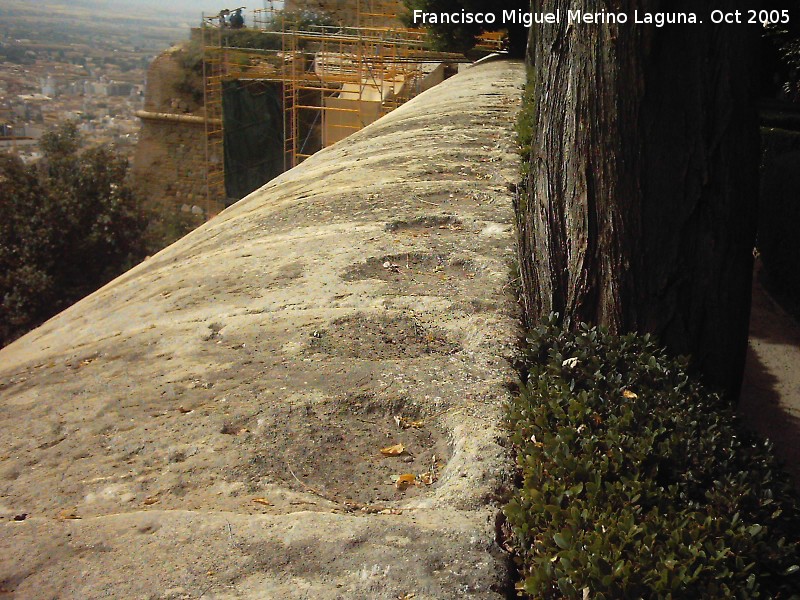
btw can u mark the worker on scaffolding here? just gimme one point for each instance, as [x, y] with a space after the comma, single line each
[223, 18]
[236, 20]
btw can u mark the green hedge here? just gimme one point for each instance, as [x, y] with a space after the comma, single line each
[637, 483]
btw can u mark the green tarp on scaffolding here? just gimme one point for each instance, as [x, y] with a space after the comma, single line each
[253, 126]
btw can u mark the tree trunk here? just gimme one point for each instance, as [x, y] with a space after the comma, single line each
[640, 208]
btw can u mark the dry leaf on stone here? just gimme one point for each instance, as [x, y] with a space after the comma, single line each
[405, 480]
[372, 509]
[404, 423]
[231, 429]
[395, 450]
[262, 501]
[428, 478]
[67, 514]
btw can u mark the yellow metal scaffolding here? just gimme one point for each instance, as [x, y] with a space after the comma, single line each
[335, 79]
[213, 74]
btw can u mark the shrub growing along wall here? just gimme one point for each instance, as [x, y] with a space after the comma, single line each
[637, 483]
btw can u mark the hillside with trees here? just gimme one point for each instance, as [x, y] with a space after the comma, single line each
[70, 224]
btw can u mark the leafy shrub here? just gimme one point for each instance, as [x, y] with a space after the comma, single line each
[783, 48]
[637, 483]
[167, 224]
[462, 37]
[302, 20]
[525, 124]
[254, 39]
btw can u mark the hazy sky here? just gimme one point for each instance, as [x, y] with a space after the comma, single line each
[198, 6]
[206, 5]
[186, 7]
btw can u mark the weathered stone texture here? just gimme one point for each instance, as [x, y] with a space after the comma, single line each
[169, 167]
[216, 415]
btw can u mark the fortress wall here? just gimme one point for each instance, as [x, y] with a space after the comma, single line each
[169, 166]
[169, 163]
[210, 423]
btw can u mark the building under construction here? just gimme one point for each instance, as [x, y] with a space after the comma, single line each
[299, 78]
[251, 96]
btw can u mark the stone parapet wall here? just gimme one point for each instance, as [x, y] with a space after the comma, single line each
[169, 166]
[216, 420]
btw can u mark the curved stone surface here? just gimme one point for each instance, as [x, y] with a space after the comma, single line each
[210, 424]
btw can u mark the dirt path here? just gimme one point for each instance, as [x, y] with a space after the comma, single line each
[210, 424]
[771, 392]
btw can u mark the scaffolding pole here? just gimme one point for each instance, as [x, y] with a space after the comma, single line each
[213, 75]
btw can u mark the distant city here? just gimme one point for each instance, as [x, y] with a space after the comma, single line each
[86, 61]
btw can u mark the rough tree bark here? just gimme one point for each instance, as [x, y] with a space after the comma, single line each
[640, 208]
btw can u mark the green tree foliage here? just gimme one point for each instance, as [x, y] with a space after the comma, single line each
[70, 224]
[462, 37]
[780, 53]
[168, 224]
